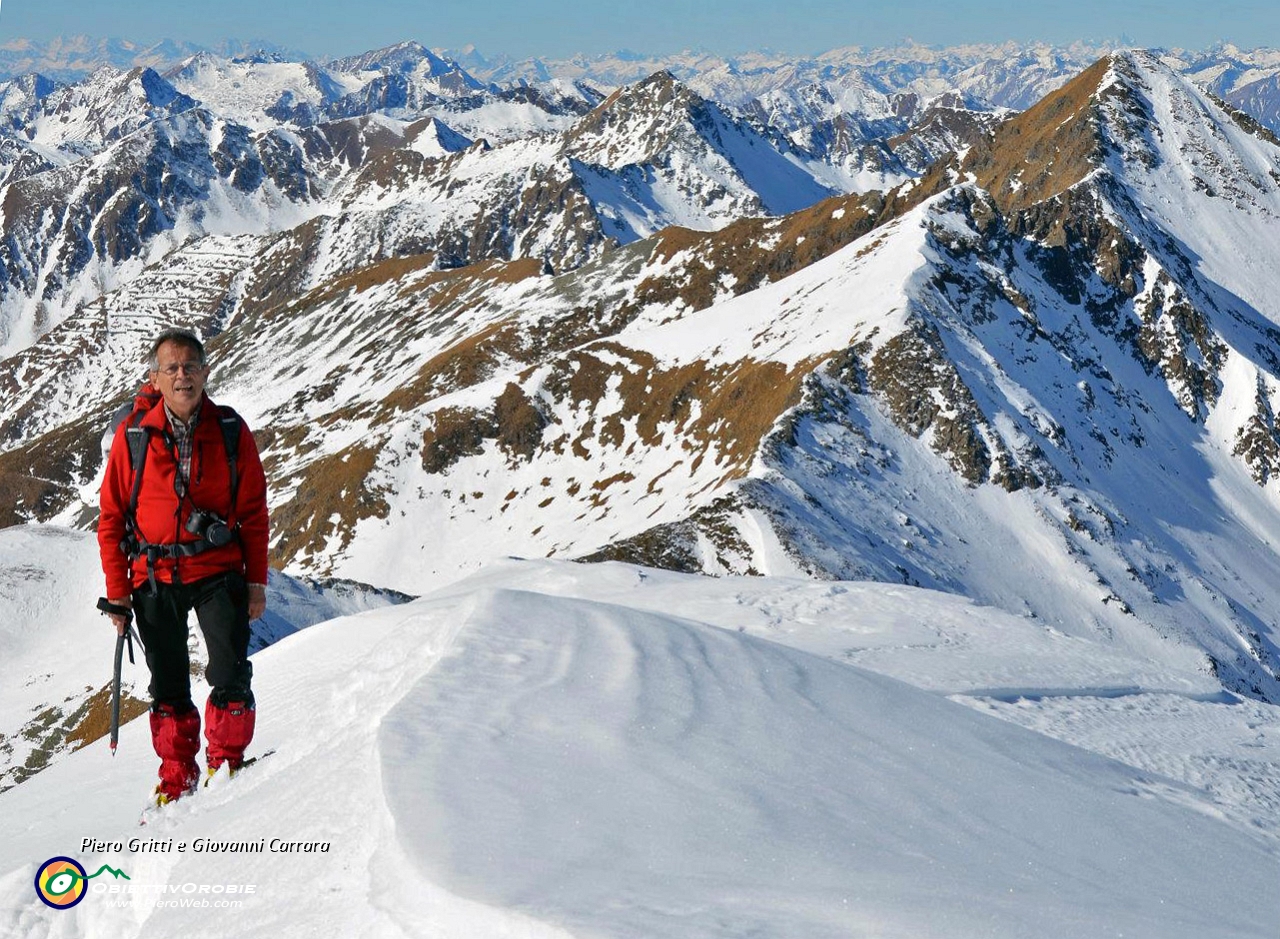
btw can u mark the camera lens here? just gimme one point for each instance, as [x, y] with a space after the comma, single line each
[218, 534]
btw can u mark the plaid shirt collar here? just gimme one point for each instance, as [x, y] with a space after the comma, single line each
[183, 436]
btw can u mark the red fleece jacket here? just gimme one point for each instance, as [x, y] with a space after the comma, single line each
[160, 517]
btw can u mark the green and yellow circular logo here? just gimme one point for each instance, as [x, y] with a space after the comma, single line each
[61, 882]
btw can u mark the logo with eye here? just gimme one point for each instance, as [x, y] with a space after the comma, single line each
[61, 881]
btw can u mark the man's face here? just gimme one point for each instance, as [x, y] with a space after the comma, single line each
[180, 378]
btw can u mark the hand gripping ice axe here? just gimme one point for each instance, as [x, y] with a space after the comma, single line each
[113, 609]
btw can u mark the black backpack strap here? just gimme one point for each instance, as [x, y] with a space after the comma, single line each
[132, 545]
[231, 422]
[137, 439]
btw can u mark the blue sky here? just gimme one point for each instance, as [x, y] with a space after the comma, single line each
[561, 27]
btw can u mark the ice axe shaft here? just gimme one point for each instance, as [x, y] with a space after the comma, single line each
[106, 606]
[115, 695]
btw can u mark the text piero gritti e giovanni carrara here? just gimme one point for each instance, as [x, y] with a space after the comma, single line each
[204, 846]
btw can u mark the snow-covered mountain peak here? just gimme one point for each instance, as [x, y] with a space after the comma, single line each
[21, 95]
[1180, 121]
[144, 84]
[434, 138]
[264, 93]
[83, 118]
[1153, 133]
[636, 120]
[159, 93]
[1213, 184]
[409, 62]
[400, 57]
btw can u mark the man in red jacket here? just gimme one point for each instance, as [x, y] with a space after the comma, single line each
[194, 539]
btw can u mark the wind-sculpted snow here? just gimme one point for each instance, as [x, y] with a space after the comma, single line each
[627, 774]
[553, 750]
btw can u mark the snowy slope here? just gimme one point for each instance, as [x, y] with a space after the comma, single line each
[542, 751]
[58, 648]
[262, 93]
[81, 119]
[78, 231]
[1212, 185]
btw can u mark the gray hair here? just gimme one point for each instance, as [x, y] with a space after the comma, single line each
[183, 337]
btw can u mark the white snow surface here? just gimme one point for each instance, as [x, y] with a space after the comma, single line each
[1204, 154]
[549, 749]
[244, 90]
[57, 648]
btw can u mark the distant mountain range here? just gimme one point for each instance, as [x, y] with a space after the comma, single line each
[1011, 75]
[71, 58]
[999, 322]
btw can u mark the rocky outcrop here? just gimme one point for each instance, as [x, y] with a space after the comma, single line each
[1258, 439]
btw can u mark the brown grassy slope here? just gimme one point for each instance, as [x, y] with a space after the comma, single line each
[1046, 149]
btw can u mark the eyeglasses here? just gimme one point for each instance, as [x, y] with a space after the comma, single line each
[189, 368]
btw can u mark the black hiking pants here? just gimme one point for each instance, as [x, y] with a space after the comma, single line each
[221, 603]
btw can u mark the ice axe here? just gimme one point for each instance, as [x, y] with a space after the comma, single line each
[114, 609]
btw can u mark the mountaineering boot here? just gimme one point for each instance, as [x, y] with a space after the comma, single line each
[229, 719]
[175, 735]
